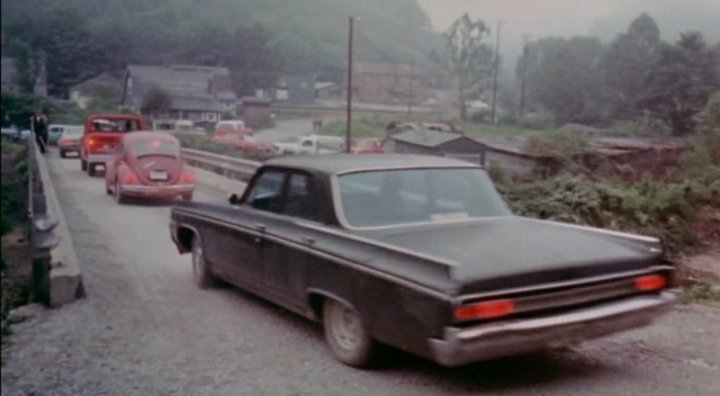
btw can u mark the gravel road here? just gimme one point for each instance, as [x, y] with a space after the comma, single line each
[144, 329]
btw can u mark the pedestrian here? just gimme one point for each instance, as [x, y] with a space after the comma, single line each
[39, 127]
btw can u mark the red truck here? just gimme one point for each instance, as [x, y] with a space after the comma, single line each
[103, 133]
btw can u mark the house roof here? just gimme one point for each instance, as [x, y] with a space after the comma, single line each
[426, 137]
[190, 87]
[92, 84]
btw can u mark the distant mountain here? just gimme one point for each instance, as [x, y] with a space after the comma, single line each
[309, 33]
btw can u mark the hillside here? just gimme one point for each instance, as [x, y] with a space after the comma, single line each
[308, 35]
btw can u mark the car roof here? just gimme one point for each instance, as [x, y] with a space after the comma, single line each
[338, 163]
[141, 136]
[116, 116]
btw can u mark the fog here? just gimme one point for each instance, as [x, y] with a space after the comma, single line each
[604, 18]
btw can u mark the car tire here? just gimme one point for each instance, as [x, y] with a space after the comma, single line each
[63, 154]
[91, 170]
[201, 274]
[347, 335]
[119, 198]
[187, 197]
[83, 165]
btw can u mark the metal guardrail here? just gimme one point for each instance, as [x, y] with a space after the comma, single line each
[230, 167]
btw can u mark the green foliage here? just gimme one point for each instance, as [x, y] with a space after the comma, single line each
[653, 208]
[645, 126]
[468, 57]
[558, 144]
[702, 291]
[156, 100]
[22, 107]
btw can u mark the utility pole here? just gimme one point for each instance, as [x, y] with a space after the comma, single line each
[348, 126]
[495, 77]
[523, 81]
[410, 88]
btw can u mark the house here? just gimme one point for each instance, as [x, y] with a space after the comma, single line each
[291, 89]
[327, 90]
[11, 78]
[443, 144]
[197, 93]
[82, 93]
[388, 83]
[257, 112]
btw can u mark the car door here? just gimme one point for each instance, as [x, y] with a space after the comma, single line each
[236, 250]
[283, 265]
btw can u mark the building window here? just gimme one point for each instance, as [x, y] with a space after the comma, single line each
[281, 94]
[211, 116]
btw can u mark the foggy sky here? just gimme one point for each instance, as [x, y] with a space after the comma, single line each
[603, 18]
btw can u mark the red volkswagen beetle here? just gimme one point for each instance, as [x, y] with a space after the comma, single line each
[148, 165]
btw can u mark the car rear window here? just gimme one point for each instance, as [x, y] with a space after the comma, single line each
[114, 125]
[394, 197]
[156, 147]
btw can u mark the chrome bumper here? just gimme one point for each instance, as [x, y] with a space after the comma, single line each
[99, 158]
[156, 191]
[493, 340]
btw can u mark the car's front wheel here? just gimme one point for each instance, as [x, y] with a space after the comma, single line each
[347, 335]
[201, 274]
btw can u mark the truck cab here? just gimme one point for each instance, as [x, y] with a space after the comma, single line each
[102, 136]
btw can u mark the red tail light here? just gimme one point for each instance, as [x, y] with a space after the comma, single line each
[485, 310]
[130, 177]
[650, 282]
[92, 142]
[187, 176]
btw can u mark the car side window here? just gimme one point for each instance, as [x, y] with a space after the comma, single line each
[299, 200]
[266, 192]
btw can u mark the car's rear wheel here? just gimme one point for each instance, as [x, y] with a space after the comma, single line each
[187, 197]
[63, 154]
[347, 335]
[201, 274]
[83, 165]
[119, 198]
[91, 169]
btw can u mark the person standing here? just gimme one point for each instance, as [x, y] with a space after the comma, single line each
[40, 129]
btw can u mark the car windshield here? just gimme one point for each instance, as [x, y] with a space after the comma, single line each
[156, 147]
[393, 197]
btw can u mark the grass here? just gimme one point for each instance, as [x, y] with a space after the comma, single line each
[702, 291]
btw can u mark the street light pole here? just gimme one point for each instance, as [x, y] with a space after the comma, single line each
[348, 126]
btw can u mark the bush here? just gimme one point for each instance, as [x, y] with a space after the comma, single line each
[646, 126]
[559, 145]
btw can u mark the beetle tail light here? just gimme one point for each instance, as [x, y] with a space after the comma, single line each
[130, 177]
[187, 176]
[484, 310]
[649, 283]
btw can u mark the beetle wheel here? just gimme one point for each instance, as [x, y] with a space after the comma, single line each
[347, 335]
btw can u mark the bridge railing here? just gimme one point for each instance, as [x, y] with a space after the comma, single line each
[230, 167]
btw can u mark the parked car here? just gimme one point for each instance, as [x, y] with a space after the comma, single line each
[231, 127]
[369, 146]
[54, 133]
[148, 165]
[103, 133]
[311, 144]
[243, 142]
[420, 253]
[70, 140]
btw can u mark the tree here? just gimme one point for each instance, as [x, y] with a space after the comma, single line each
[156, 101]
[254, 60]
[627, 65]
[565, 78]
[684, 77]
[28, 64]
[468, 58]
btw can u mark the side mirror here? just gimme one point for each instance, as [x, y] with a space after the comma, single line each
[234, 199]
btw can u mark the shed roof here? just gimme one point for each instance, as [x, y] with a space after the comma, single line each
[426, 137]
[335, 163]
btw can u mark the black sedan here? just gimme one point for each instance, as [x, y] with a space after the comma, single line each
[422, 254]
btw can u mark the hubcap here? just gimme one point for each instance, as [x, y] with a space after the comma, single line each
[346, 324]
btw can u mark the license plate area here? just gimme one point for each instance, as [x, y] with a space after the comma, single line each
[158, 175]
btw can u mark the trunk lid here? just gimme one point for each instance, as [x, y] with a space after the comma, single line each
[513, 251]
[102, 142]
[157, 169]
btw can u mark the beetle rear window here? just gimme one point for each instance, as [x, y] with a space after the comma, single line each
[382, 198]
[156, 147]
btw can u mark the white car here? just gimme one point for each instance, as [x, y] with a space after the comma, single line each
[311, 144]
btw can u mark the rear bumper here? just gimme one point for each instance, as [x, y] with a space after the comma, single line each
[99, 158]
[69, 148]
[493, 340]
[156, 191]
